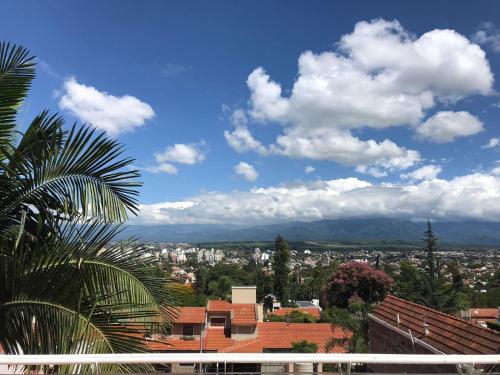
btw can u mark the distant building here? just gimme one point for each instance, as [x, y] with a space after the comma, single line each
[480, 316]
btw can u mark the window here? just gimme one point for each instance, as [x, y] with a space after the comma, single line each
[187, 329]
[217, 322]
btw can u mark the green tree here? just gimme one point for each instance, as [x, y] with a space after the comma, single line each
[63, 287]
[352, 319]
[281, 269]
[304, 346]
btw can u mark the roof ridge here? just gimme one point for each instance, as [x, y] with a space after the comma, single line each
[454, 317]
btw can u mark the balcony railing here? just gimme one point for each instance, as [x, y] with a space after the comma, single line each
[465, 364]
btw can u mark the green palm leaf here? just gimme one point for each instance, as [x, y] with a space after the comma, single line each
[17, 70]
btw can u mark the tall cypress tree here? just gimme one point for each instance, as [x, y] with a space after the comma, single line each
[431, 248]
[281, 269]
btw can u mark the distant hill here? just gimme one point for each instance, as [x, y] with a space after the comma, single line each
[343, 230]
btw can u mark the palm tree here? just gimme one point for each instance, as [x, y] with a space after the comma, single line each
[63, 287]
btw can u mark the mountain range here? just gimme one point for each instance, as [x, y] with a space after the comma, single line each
[341, 230]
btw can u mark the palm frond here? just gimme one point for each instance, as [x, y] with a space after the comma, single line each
[17, 70]
[79, 173]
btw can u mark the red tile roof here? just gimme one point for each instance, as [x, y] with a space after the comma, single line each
[447, 333]
[314, 311]
[194, 315]
[279, 335]
[243, 313]
[270, 335]
[484, 313]
[219, 306]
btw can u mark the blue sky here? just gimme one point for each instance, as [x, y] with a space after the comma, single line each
[391, 112]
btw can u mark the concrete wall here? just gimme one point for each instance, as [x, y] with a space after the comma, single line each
[244, 294]
[236, 332]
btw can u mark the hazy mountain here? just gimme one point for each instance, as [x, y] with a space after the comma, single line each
[348, 230]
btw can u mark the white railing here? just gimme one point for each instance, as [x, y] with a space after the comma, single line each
[180, 358]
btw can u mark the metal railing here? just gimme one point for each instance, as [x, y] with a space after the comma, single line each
[465, 362]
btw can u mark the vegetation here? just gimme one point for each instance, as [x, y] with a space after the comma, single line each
[438, 287]
[356, 279]
[63, 289]
[304, 346]
[281, 269]
[296, 316]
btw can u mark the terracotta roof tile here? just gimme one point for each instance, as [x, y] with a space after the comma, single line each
[447, 333]
[243, 313]
[219, 306]
[194, 315]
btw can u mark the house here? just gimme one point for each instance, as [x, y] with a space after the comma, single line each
[480, 316]
[402, 327]
[238, 327]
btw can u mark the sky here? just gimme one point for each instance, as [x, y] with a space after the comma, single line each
[266, 112]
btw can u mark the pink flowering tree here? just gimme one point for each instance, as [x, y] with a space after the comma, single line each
[356, 282]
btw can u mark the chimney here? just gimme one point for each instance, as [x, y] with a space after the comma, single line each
[397, 319]
[244, 294]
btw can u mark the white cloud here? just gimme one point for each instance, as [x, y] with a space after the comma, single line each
[112, 114]
[473, 196]
[446, 126]
[242, 140]
[380, 76]
[427, 172]
[309, 169]
[162, 168]
[181, 153]
[246, 170]
[488, 34]
[493, 142]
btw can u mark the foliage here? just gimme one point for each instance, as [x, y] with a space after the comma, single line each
[493, 325]
[186, 295]
[356, 278]
[296, 316]
[63, 288]
[304, 346]
[281, 269]
[353, 319]
[433, 286]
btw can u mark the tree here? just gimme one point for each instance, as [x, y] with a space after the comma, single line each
[281, 269]
[356, 278]
[63, 287]
[431, 262]
[304, 346]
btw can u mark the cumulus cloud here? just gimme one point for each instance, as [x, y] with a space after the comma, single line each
[427, 172]
[112, 114]
[242, 140]
[246, 170]
[488, 34]
[379, 76]
[446, 126]
[492, 143]
[162, 168]
[473, 196]
[181, 153]
[309, 169]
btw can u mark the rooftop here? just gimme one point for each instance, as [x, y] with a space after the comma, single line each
[446, 333]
